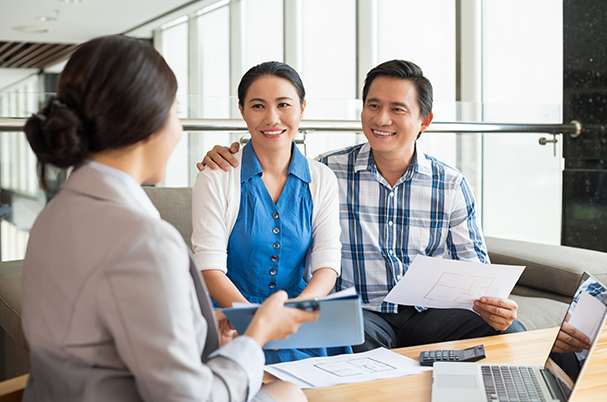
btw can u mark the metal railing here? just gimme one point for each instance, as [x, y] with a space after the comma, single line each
[574, 128]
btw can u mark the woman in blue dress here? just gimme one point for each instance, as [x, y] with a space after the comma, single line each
[272, 223]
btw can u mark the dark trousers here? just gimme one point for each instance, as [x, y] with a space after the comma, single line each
[409, 327]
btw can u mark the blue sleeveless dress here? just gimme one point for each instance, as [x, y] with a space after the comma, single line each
[269, 242]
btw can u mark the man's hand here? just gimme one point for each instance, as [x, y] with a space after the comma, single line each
[498, 313]
[570, 339]
[220, 157]
[226, 331]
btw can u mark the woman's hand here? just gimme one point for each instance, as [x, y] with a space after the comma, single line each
[226, 332]
[220, 157]
[275, 321]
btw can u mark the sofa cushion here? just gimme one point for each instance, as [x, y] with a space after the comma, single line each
[531, 292]
[553, 268]
[175, 207]
[538, 312]
[10, 301]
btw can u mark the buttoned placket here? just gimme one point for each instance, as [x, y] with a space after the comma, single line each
[390, 227]
[396, 263]
[389, 232]
[276, 245]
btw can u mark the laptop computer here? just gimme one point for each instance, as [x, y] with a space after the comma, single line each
[554, 382]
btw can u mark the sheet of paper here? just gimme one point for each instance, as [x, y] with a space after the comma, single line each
[342, 293]
[588, 315]
[346, 369]
[245, 305]
[443, 283]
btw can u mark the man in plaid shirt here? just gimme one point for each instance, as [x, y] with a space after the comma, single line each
[397, 202]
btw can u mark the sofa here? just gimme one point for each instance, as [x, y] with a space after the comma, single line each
[543, 291]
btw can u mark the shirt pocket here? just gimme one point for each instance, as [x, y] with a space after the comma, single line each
[427, 236]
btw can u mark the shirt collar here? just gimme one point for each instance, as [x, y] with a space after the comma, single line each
[129, 185]
[250, 166]
[299, 165]
[364, 161]
[420, 163]
[423, 165]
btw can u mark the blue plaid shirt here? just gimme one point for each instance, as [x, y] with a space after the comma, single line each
[429, 211]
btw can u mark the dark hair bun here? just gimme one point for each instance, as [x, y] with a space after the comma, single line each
[56, 135]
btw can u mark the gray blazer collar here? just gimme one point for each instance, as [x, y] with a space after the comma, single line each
[91, 182]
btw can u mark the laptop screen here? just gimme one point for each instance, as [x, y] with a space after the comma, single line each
[579, 331]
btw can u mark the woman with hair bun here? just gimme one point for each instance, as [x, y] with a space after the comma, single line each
[113, 309]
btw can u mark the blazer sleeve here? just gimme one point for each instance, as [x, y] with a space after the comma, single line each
[210, 232]
[326, 229]
[148, 304]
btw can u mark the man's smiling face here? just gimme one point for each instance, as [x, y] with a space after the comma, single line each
[391, 117]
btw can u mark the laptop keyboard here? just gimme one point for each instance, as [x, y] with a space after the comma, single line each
[511, 383]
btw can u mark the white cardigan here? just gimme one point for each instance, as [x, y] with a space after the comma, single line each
[215, 206]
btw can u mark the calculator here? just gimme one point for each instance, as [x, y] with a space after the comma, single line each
[472, 354]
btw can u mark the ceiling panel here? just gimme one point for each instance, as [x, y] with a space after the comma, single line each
[74, 21]
[32, 55]
[63, 24]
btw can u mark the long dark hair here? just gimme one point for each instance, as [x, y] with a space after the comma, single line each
[113, 92]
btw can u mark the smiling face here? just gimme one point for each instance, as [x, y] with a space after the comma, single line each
[391, 117]
[272, 112]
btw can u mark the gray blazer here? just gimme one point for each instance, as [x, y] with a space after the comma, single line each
[111, 311]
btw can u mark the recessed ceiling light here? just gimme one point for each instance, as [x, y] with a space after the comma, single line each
[70, 1]
[31, 29]
[46, 18]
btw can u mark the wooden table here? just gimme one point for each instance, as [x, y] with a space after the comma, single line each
[12, 390]
[526, 348]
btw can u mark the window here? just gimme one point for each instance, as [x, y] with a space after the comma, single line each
[406, 32]
[262, 31]
[174, 46]
[522, 82]
[328, 69]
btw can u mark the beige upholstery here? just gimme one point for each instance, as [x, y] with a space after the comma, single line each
[13, 353]
[538, 312]
[555, 269]
[175, 206]
[542, 293]
[10, 300]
